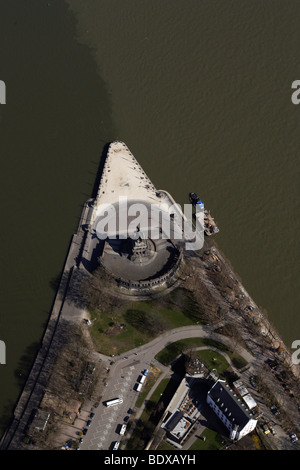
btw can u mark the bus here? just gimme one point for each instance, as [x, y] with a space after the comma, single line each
[113, 402]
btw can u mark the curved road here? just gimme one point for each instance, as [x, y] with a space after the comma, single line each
[123, 375]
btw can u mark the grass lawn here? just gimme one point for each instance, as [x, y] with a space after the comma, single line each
[165, 446]
[212, 359]
[120, 331]
[213, 441]
[151, 379]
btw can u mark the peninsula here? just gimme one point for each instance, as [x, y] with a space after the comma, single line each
[153, 343]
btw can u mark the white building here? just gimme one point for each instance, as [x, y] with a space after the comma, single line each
[182, 412]
[231, 409]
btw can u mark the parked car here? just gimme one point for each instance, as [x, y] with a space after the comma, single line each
[252, 381]
[274, 410]
[123, 429]
[266, 429]
[273, 364]
[272, 429]
[293, 437]
[92, 415]
[89, 422]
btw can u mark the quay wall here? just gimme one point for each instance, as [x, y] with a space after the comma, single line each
[33, 390]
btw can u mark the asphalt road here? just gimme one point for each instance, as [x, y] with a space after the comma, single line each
[122, 377]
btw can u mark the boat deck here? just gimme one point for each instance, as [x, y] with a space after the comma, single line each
[210, 226]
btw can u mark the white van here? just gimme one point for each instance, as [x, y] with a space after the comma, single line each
[138, 387]
[116, 446]
[123, 429]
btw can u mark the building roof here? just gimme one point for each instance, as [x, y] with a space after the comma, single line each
[243, 391]
[251, 403]
[182, 411]
[239, 385]
[231, 405]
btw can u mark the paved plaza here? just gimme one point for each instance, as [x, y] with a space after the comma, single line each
[106, 424]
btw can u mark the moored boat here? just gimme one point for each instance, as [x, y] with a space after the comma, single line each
[210, 227]
[195, 199]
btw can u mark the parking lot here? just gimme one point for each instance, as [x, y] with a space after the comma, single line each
[106, 424]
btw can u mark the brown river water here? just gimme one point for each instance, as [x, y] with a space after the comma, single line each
[200, 92]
